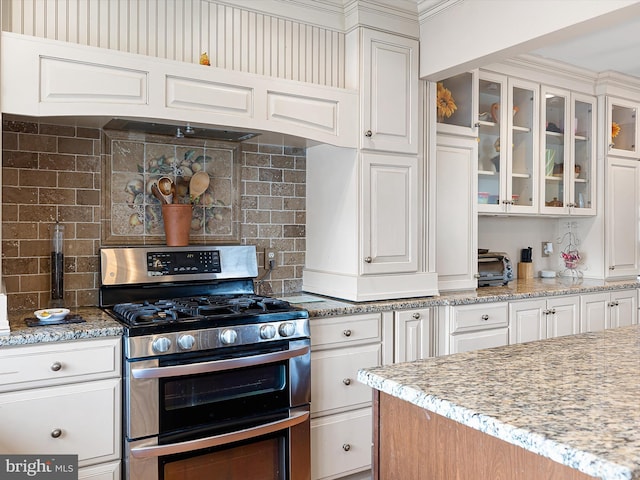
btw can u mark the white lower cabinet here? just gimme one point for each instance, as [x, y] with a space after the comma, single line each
[608, 310]
[463, 328]
[335, 459]
[341, 418]
[531, 320]
[412, 333]
[64, 398]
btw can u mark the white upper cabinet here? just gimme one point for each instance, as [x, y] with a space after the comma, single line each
[622, 127]
[390, 214]
[508, 148]
[567, 183]
[389, 92]
[454, 167]
[621, 218]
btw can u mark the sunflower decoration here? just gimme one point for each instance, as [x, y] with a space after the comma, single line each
[615, 129]
[444, 102]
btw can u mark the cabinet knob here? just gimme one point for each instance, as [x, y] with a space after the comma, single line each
[611, 145]
[347, 333]
[553, 311]
[347, 381]
[612, 267]
[346, 447]
[56, 366]
[617, 303]
[368, 134]
[368, 259]
[416, 315]
[476, 275]
[546, 312]
[56, 433]
[485, 317]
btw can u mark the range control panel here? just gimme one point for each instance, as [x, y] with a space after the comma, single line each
[183, 263]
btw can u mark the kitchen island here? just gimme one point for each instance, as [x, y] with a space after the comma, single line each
[562, 408]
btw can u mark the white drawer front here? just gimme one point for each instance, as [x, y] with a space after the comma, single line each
[333, 377]
[103, 471]
[56, 363]
[87, 415]
[479, 317]
[341, 444]
[339, 330]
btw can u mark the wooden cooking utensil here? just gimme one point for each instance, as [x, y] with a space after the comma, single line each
[198, 185]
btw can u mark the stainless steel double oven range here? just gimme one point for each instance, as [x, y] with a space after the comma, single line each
[216, 378]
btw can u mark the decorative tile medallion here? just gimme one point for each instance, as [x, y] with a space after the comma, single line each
[132, 163]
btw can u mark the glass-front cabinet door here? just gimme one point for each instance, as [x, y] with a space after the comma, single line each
[568, 163]
[456, 102]
[555, 123]
[622, 127]
[507, 129]
[583, 185]
[523, 141]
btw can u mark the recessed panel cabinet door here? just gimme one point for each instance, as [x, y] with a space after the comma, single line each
[389, 214]
[389, 92]
[621, 227]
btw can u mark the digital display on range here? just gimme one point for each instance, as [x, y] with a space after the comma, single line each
[183, 263]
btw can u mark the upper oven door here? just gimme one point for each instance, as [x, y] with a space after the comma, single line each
[189, 395]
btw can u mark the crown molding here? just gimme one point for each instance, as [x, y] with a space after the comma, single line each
[396, 16]
[328, 14]
[430, 8]
[615, 83]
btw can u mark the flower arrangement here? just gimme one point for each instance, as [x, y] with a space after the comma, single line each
[444, 102]
[615, 129]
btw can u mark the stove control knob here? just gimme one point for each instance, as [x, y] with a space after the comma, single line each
[186, 342]
[267, 332]
[287, 329]
[161, 345]
[228, 336]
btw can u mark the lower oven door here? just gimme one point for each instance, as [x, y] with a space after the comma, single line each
[278, 450]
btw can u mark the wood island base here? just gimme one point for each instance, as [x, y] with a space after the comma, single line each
[411, 443]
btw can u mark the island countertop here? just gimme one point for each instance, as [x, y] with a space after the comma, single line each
[573, 399]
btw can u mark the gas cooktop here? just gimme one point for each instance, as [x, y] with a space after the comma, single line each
[203, 311]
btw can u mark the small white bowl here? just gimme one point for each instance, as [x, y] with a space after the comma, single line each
[51, 314]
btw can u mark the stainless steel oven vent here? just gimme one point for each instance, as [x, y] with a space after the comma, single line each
[186, 130]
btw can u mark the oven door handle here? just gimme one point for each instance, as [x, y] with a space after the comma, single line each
[217, 440]
[218, 365]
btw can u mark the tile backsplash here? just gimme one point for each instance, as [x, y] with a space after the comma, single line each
[55, 172]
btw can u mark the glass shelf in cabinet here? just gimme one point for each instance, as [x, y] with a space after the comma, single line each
[518, 129]
[520, 175]
[488, 173]
[554, 134]
[554, 178]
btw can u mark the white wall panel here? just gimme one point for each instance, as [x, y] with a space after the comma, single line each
[235, 38]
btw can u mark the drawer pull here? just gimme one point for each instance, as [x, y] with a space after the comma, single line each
[347, 381]
[346, 447]
[56, 433]
[56, 366]
[485, 317]
[416, 315]
[347, 333]
[368, 259]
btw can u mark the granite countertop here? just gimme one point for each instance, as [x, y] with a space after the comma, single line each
[574, 399]
[97, 324]
[515, 290]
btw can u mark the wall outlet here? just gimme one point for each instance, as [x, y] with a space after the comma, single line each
[270, 258]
